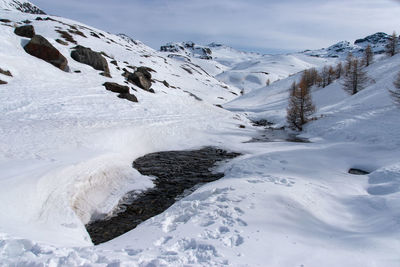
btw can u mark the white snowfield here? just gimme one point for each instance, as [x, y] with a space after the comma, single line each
[67, 146]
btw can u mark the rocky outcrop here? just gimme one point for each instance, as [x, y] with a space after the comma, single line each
[39, 47]
[141, 77]
[89, 57]
[129, 97]
[189, 49]
[377, 38]
[21, 5]
[25, 31]
[116, 88]
[123, 91]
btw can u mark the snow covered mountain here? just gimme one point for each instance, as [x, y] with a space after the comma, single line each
[70, 129]
[239, 69]
[23, 6]
[250, 71]
[377, 42]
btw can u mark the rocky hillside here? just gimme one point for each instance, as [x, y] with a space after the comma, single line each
[377, 42]
[249, 71]
[23, 6]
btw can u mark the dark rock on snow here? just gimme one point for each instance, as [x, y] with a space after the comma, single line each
[141, 77]
[355, 171]
[116, 88]
[129, 97]
[166, 84]
[61, 42]
[89, 57]
[3, 82]
[5, 72]
[25, 31]
[39, 47]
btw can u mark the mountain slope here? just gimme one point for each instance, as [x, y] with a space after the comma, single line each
[244, 70]
[64, 128]
[249, 71]
[68, 145]
[23, 6]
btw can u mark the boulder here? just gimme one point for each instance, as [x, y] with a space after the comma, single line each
[2, 82]
[5, 72]
[166, 84]
[129, 97]
[25, 31]
[116, 88]
[89, 57]
[141, 77]
[39, 47]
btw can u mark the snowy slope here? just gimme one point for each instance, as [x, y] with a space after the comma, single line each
[377, 41]
[65, 131]
[249, 71]
[23, 6]
[243, 70]
[67, 146]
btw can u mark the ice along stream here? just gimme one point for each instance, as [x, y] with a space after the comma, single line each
[177, 173]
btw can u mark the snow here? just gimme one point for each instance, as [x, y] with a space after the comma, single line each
[67, 146]
[249, 71]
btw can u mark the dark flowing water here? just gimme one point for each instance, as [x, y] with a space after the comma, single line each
[276, 135]
[177, 174]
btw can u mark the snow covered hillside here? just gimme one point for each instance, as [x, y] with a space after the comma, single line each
[23, 6]
[243, 70]
[63, 124]
[250, 71]
[67, 147]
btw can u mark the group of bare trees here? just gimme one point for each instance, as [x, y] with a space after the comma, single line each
[353, 79]
[391, 46]
[391, 50]
[301, 106]
[396, 92]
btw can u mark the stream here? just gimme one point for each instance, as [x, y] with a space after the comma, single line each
[177, 174]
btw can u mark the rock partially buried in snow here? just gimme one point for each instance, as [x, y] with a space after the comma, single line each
[123, 91]
[39, 47]
[25, 31]
[141, 77]
[129, 97]
[116, 88]
[89, 57]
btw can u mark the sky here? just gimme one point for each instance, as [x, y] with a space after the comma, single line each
[265, 26]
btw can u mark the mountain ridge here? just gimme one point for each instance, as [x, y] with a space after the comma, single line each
[22, 6]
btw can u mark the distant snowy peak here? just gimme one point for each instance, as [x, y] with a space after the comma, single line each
[377, 42]
[188, 49]
[23, 6]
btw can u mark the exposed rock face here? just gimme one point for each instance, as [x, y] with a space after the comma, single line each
[25, 31]
[189, 49]
[377, 38]
[141, 77]
[39, 47]
[89, 57]
[116, 88]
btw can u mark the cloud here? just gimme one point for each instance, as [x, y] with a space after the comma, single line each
[253, 24]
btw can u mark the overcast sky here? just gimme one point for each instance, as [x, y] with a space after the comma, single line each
[253, 25]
